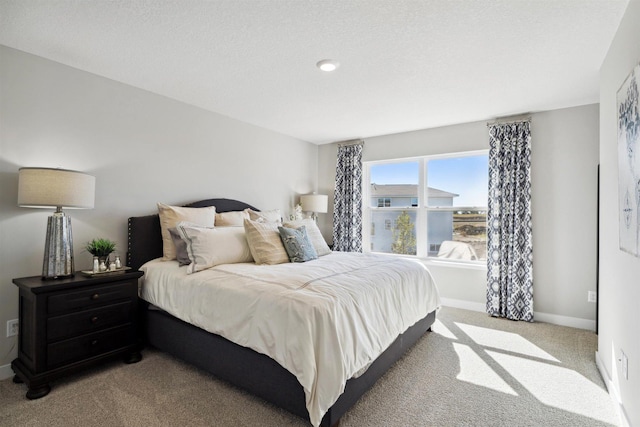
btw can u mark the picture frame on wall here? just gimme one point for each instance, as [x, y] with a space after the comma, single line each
[629, 162]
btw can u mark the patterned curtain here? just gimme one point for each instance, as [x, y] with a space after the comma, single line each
[509, 236]
[347, 212]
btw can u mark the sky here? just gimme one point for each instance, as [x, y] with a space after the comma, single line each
[466, 176]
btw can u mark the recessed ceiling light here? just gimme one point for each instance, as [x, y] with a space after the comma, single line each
[328, 65]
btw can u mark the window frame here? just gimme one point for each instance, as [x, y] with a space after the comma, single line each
[385, 201]
[421, 225]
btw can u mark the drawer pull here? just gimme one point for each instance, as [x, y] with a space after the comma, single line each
[94, 342]
[95, 296]
[94, 319]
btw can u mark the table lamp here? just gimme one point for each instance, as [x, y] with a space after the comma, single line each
[56, 188]
[314, 203]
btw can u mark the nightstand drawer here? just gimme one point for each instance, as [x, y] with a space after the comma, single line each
[86, 346]
[83, 322]
[90, 297]
[71, 323]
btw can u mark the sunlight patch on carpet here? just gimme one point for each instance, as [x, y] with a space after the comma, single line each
[439, 328]
[474, 370]
[507, 341]
[558, 387]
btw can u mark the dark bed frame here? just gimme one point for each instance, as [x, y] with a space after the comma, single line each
[241, 366]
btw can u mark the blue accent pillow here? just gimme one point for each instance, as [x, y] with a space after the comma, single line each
[297, 244]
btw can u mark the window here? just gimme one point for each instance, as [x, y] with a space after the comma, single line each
[433, 206]
[384, 202]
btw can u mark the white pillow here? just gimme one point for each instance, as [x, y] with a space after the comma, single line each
[231, 219]
[170, 216]
[208, 247]
[265, 243]
[265, 216]
[318, 242]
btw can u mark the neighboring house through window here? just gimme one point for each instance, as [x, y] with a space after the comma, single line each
[442, 214]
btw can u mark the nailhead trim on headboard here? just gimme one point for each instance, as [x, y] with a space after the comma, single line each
[144, 241]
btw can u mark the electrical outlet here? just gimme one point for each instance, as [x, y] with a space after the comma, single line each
[592, 296]
[625, 365]
[12, 327]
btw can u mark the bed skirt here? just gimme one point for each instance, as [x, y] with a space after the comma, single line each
[259, 374]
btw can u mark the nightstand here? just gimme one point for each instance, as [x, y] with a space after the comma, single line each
[73, 323]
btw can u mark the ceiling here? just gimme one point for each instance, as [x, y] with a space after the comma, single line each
[404, 64]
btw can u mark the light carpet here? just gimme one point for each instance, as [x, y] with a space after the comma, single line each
[472, 370]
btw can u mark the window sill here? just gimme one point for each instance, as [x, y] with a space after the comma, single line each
[482, 265]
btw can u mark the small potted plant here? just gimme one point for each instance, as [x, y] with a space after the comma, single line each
[101, 248]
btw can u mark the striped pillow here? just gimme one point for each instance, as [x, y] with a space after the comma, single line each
[265, 243]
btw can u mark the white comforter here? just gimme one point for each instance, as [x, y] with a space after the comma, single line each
[323, 320]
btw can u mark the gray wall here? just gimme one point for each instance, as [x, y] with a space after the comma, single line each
[144, 148]
[141, 147]
[564, 175]
[619, 271]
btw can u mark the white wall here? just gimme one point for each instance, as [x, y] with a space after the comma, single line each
[619, 271]
[142, 148]
[564, 182]
[564, 196]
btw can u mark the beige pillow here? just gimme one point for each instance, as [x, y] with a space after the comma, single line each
[231, 219]
[318, 242]
[265, 216]
[208, 247]
[265, 243]
[170, 216]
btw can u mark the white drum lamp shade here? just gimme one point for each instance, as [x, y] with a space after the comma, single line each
[56, 188]
[53, 188]
[315, 203]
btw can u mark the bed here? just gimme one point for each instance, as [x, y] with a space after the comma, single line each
[245, 364]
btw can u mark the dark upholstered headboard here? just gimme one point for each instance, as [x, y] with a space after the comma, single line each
[145, 239]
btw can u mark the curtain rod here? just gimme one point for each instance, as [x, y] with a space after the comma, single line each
[509, 121]
[354, 142]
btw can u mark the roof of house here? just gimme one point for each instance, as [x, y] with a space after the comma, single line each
[406, 190]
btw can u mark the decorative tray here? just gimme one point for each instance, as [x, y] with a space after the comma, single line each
[91, 273]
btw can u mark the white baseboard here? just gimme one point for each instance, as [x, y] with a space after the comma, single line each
[613, 392]
[573, 322]
[5, 372]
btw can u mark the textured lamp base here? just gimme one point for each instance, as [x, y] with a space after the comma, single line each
[58, 248]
